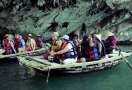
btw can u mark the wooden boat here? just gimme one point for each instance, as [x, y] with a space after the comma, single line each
[43, 65]
[30, 53]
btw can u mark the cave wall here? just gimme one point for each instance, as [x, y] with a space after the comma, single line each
[66, 16]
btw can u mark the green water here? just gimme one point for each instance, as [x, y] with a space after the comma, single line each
[15, 77]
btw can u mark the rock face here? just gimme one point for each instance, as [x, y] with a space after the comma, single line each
[67, 17]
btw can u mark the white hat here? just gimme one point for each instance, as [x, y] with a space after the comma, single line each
[110, 34]
[98, 36]
[66, 37]
[2, 51]
[56, 33]
[30, 35]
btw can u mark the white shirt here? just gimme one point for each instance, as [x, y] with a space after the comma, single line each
[69, 46]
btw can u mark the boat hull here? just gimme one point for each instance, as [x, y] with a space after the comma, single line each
[45, 66]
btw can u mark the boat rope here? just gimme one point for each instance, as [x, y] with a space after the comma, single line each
[48, 75]
[119, 52]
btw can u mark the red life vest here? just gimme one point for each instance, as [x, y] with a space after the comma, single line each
[62, 47]
[8, 48]
[90, 52]
[18, 43]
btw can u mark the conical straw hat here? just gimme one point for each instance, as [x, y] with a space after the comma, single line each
[109, 34]
[98, 36]
[2, 51]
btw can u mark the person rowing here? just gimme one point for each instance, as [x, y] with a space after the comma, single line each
[109, 42]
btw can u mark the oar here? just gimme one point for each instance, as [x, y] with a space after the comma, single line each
[124, 57]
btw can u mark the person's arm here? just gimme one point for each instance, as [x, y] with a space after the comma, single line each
[62, 51]
[3, 43]
[34, 44]
[67, 48]
[114, 39]
[59, 43]
[23, 44]
[100, 47]
[91, 44]
[13, 47]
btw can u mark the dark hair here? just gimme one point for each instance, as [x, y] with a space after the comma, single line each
[75, 35]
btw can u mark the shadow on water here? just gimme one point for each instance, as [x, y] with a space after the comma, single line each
[16, 77]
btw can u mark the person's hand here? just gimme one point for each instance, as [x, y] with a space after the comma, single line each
[49, 45]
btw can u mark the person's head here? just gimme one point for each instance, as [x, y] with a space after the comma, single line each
[20, 36]
[55, 36]
[75, 37]
[8, 37]
[97, 37]
[17, 36]
[65, 38]
[85, 38]
[29, 36]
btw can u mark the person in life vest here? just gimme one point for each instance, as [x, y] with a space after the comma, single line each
[22, 49]
[89, 49]
[77, 43]
[9, 47]
[110, 42]
[101, 47]
[39, 41]
[56, 46]
[68, 52]
[30, 44]
[18, 42]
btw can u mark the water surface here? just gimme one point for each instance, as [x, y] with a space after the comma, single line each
[16, 77]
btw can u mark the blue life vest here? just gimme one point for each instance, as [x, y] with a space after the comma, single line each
[91, 52]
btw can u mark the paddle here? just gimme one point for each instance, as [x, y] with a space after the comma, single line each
[123, 57]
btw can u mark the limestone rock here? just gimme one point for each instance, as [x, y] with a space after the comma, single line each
[67, 17]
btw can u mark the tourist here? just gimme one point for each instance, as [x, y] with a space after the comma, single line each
[18, 42]
[89, 49]
[39, 41]
[68, 52]
[77, 43]
[30, 44]
[56, 46]
[110, 42]
[22, 49]
[101, 47]
[9, 47]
